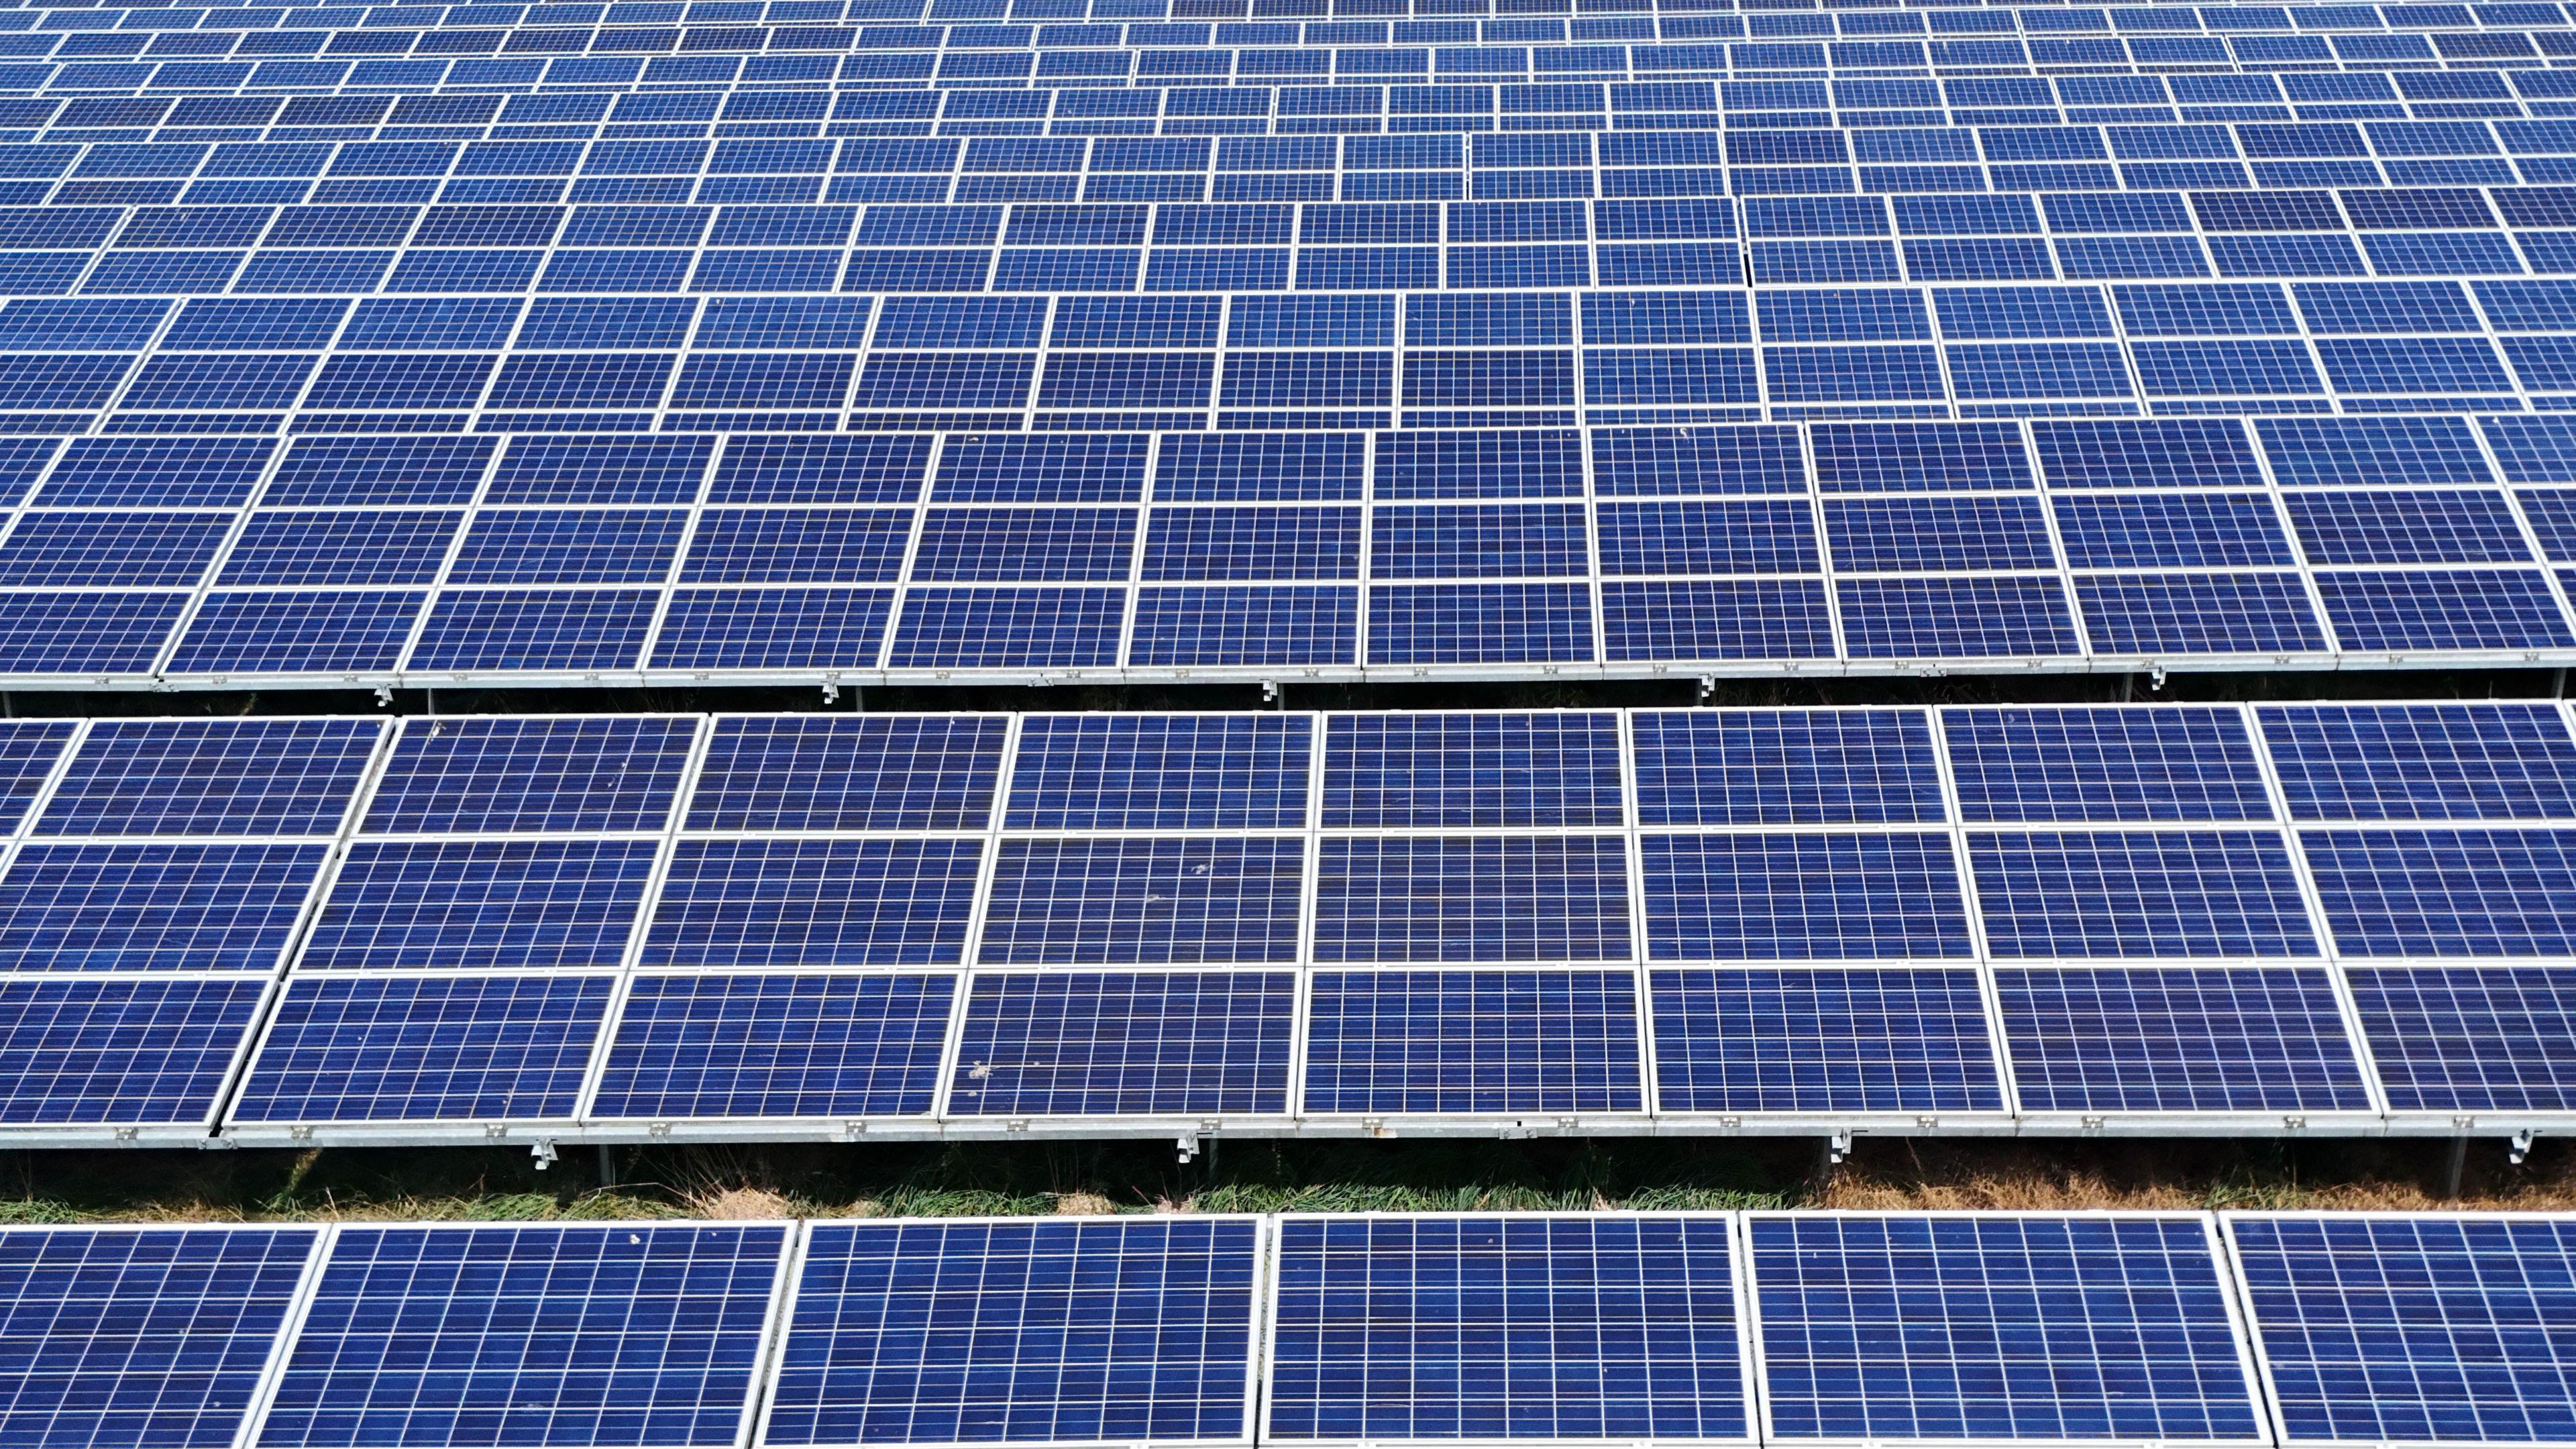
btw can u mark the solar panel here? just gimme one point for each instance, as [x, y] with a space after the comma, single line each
[531, 774]
[2036, 1327]
[1822, 1040]
[2139, 894]
[211, 777]
[1441, 770]
[775, 1046]
[2455, 1039]
[2181, 1039]
[2422, 762]
[1118, 772]
[1572, 1326]
[118, 1338]
[2447, 1323]
[611, 1333]
[2016, 765]
[1020, 1332]
[1439, 1042]
[392, 1048]
[858, 773]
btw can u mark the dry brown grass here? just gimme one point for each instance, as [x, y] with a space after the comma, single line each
[1896, 1174]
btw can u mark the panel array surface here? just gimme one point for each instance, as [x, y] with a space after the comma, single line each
[938, 340]
[2346, 917]
[1322, 1329]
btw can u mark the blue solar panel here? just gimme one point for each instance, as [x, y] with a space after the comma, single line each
[2207, 1039]
[122, 1338]
[1453, 770]
[211, 777]
[488, 904]
[1125, 1043]
[756, 903]
[2003, 1327]
[121, 1051]
[2468, 1038]
[528, 774]
[857, 773]
[2422, 762]
[1767, 1040]
[154, 907]
[412, 1049]
[1128, 902]
[1802, 897]
[609, 1334]
[1512, 898]
[2392, 893]
[1081, 1331]
[776, 1046]
[1144, 772]
[2103, 764]
[1488, 1328]
[1781, 767]
[1472, 1041]
[2135, 894]
[2416, 1328]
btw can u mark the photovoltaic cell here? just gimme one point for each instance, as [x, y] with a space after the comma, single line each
[2178, 1039]
[1781, 767]
[774, 903]
[1463, 770]
[1472, 1041]
[1146, 772]
[119, 1338]
[489, 904]
[2139, 894]
[2392, 893]
[1125, 1043]
[408, 1049]
[1510, 898]
[1035, 1331]
[1484, 1328]
[2422, 762]
[2470, 1039]
[2003, 1327]
[211, 777]
[868, 772]
[2415, 1328]
[782, 1045]
[120, 1051]
[1803, 897]
[1823, 1040]
[531, 774]
[607, 1334]
[2103, 764]
[1129, 902]
[154, 907]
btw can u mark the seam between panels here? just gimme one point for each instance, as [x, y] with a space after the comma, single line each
[639, 932]
[1981, 951]
[970, 945]
[2329, 952]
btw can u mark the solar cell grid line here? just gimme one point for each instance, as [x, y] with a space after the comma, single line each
[1022, 1332]
[2053, 1328]
[122, 1337]
[1408, 1328]
[607, 1334]
[2408, 1328]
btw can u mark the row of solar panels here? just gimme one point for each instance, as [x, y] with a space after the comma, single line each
[1368, 20]
[2330, 918]
[2242, 1329]
[343, 561]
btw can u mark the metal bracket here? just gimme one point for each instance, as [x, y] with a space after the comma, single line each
[1270, 691]
[1188, 1147]
[2521, 1147]
[831, 694]
[2155, 676]
[384, 696]
[1837, 1147]
[544, 1153]
[1707, 687]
